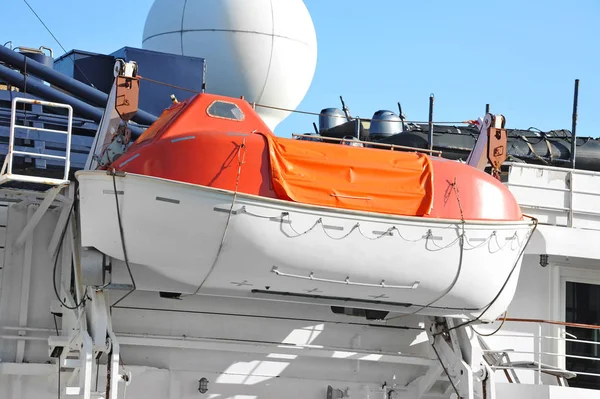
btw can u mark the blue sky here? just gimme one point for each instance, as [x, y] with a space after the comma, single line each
[520, 56]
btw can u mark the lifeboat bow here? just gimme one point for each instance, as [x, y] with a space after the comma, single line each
[211, 202]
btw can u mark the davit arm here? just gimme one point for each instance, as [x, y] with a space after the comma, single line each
[113, 134]
[490, 145]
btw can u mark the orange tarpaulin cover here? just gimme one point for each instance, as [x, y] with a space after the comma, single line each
[348, 177]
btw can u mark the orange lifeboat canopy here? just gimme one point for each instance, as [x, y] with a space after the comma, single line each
[221, 142]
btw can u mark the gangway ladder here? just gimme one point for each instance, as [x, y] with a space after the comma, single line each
[6, 175]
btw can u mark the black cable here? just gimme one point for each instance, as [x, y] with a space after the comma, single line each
[122, 234]
[58, 391]
[446, 371]
[468, 322]
[59, 251]
[169, 85]
[97, 371]
[461, 245]
[62, 237]
[55, 324]
[461, 240]
[61, 46]
[493, 332]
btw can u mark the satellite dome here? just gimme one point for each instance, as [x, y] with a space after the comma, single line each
[264, 50]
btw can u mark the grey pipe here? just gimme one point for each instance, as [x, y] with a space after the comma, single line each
[48, 93]
[73, 86]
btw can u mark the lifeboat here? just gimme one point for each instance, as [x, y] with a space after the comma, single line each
[210, 201]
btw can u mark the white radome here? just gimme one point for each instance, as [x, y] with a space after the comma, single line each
[264, 50]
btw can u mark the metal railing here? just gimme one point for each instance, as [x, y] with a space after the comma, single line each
[7, 175]
[572, 194]
[361, 143]
[547, 354]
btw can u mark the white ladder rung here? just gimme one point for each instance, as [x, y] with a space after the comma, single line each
[41, 129]
[38, 154]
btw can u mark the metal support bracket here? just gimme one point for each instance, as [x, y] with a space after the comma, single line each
[121, 106]
[86, 331]
[77, 352]
[460, 360]
[97, 319]
[490, 145]
[66, 201]
[421, 386]
[37, 216]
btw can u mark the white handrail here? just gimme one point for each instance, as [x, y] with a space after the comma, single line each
[537, 354]
[578, 207]
[7, 168]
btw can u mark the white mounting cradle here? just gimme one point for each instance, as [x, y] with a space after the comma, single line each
[89, 338]
[6, 175]
[460, 361]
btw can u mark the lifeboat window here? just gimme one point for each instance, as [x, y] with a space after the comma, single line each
[225, 110]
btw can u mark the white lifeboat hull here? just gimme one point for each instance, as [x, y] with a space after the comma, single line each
[221, 243]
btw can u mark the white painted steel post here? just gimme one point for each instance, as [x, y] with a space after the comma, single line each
[25, 289]
[11, 135]
[68, 145]
[571, 195]
[539, 374]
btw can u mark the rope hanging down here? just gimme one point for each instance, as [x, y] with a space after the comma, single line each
[470, 322]
[122, 236]
[241, 154]
[461, 239]
[59, 253]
